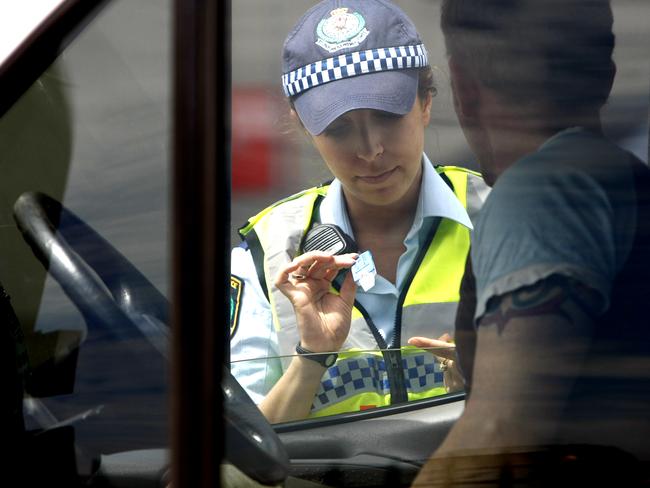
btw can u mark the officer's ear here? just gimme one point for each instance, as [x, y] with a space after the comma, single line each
[465, 89]
[425, 104]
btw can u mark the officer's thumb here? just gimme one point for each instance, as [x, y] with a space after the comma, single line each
[348, 289]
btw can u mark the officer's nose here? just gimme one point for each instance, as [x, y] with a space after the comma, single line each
[369, 143]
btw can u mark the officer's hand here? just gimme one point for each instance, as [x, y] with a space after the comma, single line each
[323, 316]
[442, 347]
[445, 350]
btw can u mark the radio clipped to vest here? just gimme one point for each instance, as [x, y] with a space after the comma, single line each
[331, 239]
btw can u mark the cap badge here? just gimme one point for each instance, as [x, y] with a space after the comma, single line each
[341, 30]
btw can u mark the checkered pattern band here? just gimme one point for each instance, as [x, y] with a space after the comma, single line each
[353, 64]
[364, 374]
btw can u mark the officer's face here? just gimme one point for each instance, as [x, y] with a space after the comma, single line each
[376, 155]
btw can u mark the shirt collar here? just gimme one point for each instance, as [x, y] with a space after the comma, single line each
[563, 132]
[438, 200]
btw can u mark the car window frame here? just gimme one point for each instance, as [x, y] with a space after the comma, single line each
[200, 226]
[40, 48]
[200, 242]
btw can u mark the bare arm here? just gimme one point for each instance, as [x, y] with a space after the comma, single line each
[530, 347]
[323, 323]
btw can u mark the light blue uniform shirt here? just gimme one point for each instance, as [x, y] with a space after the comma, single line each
[255, 338]
[437, 201]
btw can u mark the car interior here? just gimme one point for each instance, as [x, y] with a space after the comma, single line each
[88, 228]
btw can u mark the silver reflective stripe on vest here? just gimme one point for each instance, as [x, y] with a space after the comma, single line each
[428, 320]
[280, 247]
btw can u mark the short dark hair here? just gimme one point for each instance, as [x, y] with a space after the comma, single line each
[556, 52]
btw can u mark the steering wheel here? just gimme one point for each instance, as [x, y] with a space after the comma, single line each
[112, 295]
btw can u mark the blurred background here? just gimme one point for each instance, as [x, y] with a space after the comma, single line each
[271, 158]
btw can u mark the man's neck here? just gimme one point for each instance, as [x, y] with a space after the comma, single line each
[515, 132]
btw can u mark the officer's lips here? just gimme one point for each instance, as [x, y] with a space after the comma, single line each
[380, 178]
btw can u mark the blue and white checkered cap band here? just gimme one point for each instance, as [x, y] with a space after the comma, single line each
[353, 64]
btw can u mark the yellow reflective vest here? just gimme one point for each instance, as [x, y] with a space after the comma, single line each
[370, 373]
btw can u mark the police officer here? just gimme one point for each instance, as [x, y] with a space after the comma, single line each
[306, 341]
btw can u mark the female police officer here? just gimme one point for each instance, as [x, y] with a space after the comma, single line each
[357, 77]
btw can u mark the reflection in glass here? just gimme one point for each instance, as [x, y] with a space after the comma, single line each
[92, 133]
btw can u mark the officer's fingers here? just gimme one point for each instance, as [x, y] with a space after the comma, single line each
[326, 273]
[337, 263]
[439, 348]
[427, 342]
[422, 342]
[309, 259]
[348, 290]
[324, 269]
[320, 267]
[446, 337]
[321, 256]
[346, 260]
[289, 277]
[325, 266]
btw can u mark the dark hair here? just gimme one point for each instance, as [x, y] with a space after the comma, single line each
[426, 85]
[556, 52]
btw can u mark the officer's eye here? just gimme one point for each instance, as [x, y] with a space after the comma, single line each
[336, 129]
[388, 116]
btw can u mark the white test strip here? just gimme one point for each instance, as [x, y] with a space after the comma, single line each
[364, 271]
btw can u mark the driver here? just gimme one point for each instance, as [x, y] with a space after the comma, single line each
[560, 251]
[306, 341]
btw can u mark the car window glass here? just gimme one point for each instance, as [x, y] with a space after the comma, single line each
[93, 135]
[273, 157]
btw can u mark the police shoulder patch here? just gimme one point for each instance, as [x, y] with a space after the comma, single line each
[236, 290]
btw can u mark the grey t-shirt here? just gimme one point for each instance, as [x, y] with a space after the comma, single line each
[566, 209]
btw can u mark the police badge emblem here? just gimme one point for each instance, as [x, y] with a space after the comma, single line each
[342, 29]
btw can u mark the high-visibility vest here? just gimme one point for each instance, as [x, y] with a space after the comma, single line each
[369, 372]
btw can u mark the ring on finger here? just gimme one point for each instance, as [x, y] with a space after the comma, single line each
[444, 364]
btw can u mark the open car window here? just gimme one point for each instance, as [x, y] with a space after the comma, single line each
[273, 157]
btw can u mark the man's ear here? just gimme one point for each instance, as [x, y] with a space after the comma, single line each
[465, 90]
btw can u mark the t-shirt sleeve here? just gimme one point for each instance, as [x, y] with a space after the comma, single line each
[541, 222]
[254, 349]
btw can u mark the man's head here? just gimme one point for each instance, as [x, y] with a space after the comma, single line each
[547, 60]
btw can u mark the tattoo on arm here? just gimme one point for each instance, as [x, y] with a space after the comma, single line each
[550, 296]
